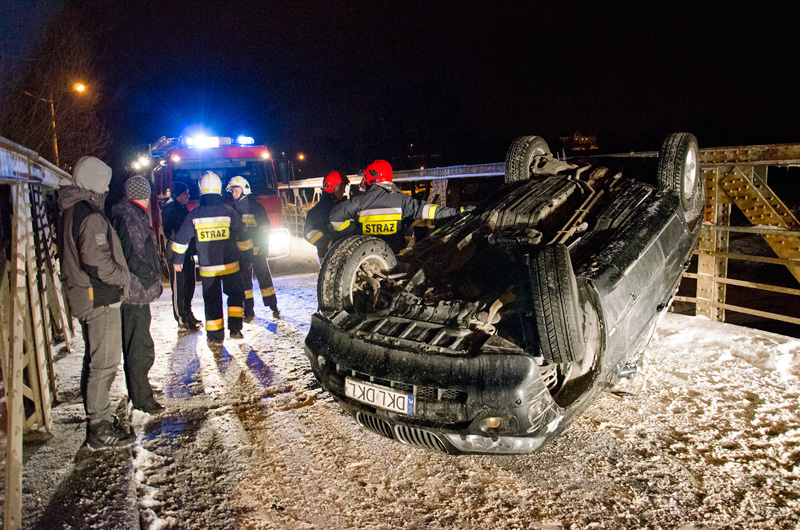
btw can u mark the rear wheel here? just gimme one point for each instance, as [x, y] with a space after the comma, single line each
[678, 168]
[349, 278]
[520, 157]
[555, 304]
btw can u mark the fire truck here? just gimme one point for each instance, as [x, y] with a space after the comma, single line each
[186, 159]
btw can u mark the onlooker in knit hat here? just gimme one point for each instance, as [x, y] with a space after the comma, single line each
[141, 253]
[178, 188]
[95, 277]
[173, 212]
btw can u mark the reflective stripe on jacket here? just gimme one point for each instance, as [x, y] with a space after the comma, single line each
[219, 236]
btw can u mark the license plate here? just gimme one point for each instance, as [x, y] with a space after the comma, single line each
[379, 396]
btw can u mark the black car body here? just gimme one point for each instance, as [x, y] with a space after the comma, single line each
[492, 333]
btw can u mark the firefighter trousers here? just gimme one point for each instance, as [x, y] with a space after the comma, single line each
[213, 287]
[261, 269]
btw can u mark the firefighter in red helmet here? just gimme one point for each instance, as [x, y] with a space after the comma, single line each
[382, 210]
[316, 229]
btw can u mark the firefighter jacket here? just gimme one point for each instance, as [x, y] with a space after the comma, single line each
[93, 268]
[141, 253]
[381, 212]
[172, 215]
[317, 228]
[218, 233]
[256, 223]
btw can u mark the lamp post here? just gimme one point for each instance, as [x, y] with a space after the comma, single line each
[78, 87]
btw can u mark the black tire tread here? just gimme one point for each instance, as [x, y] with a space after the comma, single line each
[520, 155]
[671, 159]
[556, 306]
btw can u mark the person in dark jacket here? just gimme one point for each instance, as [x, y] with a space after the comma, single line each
[256, 227]
[96, 279]
[141, 253]
[182, 283]
[219, 235]
[383, 209]
[317, 228]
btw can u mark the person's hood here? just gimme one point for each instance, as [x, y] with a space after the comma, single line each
[69, 196]
[92, 174]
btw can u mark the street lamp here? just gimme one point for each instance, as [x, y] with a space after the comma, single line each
[78, 87]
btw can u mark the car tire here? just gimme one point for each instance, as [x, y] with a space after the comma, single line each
[556, 305]
[679, 170]
[340, 285]
[520, 157]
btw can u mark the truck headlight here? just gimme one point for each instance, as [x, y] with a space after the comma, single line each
[280, 243]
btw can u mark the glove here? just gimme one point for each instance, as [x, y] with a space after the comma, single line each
[465, 209]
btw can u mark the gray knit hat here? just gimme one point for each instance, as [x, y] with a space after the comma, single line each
[137, 188]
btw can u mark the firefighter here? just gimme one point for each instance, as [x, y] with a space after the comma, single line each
[382, 210]
[257, 226]
[221, 241]
[317, 229]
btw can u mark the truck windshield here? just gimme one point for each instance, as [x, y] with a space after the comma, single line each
[258, 172]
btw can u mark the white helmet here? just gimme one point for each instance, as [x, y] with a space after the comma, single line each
[241, 182]
[210, 183]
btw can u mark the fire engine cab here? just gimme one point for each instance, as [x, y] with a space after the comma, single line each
[186, 159]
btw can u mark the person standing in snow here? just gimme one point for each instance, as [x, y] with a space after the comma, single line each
[95, 278]
[317, 229]
[182, 283]
[141, 253]
[219, 234]
[256, 226]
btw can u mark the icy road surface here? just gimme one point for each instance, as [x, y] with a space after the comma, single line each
[706, 436]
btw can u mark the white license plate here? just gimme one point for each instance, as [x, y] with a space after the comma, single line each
[379, 396]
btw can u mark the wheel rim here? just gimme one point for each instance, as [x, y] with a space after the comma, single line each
[689, 174]
[357, 283]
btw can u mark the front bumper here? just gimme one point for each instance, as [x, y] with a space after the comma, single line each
[454, 391]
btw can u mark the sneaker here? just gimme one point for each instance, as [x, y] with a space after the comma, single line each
[191, 318]
[236, 335]
[154, 407]
[105, 434]
[249, 318]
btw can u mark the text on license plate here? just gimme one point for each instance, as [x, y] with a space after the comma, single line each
[379, 396]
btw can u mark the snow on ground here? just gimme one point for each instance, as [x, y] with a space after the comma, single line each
[706, 436]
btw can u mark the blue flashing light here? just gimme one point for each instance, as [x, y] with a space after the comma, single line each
[245, 140]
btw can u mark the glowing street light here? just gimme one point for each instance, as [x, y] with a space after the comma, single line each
[301, 156]
[78, 87]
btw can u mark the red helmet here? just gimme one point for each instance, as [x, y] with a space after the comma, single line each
[378, 171]
[333, 179]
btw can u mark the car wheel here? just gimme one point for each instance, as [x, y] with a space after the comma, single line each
[678, 168]
[520, 157]
[347, 275]
[556, 305]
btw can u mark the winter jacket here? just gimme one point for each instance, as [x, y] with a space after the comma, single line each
[219, 235]
[172, 215]
[93, 268]
[381, 212]
[141, 252]
[317, 228]
[256, 222]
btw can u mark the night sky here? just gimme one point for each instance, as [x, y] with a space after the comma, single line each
[348, 82]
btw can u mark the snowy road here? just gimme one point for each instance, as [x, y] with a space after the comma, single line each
[706, 436]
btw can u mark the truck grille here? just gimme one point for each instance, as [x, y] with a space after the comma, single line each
[408, 435]
[411, 334]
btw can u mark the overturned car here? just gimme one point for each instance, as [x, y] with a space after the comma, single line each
[492, 333]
